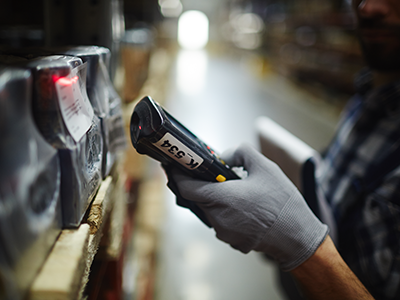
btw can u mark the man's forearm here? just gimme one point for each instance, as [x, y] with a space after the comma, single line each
[326, 276]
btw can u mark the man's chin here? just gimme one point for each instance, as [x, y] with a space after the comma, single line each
[383, 66]
[380, 59]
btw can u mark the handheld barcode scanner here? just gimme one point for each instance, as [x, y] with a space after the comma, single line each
[156, 133]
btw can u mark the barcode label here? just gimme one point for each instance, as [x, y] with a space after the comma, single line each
[179, 152]
[76, 110]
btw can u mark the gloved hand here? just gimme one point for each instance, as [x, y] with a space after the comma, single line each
[263, 212]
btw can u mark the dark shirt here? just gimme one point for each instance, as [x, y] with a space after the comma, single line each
[361, 182]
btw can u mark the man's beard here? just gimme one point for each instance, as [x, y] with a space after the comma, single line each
[381, 56]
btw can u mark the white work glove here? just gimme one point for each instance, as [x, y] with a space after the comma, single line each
[263, 212]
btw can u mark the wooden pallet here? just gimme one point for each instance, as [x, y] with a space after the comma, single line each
[66, 270]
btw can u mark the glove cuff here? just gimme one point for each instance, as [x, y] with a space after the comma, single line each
[296, 234]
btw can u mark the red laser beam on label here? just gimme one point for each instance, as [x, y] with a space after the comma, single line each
[65, 81]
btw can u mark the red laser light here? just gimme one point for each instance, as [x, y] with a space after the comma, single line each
[65, 81]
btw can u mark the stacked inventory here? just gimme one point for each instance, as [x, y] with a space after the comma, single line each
[57, 145]
[30, 183]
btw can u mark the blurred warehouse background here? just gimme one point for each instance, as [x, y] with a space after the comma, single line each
[216, 65]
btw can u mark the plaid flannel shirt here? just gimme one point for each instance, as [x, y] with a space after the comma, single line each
[367, 211]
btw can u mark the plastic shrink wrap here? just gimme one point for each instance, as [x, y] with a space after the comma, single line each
[30, 181]
[117, 132]
[65, 118]
[104, 99]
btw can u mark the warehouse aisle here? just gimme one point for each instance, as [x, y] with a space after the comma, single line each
[218, 98]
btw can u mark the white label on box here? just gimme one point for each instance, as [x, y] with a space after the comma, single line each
[179, 152]
[75, 106]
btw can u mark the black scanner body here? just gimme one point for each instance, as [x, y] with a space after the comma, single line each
[156, 133]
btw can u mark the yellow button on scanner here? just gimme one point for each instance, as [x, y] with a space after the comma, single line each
[220, 178]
